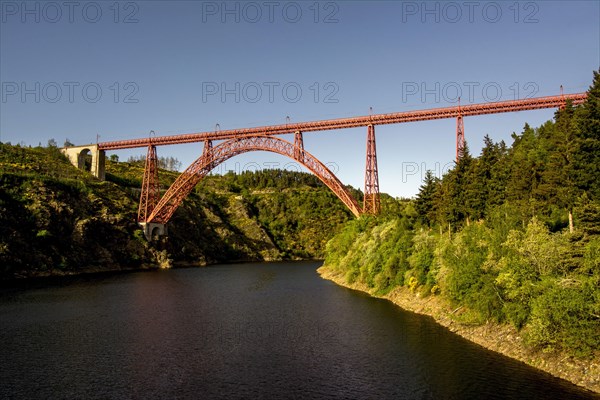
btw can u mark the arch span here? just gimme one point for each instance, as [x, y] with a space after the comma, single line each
[213, 156]
[85, 160]
[80, 158]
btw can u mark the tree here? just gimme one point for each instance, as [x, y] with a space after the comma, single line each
[459, 202]
[424, 204]
[169, 163]
[140, 159]
[559, 172]
[586, 157]
[114, 158]
[524, 158]
[52, 143]
[492, 173]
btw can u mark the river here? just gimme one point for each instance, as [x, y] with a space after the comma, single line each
[264, 330]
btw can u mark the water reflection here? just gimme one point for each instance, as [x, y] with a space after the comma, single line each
[274, 330]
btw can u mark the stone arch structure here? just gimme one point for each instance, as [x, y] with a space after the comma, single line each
[77, 155]
[153, 230]
[211, 157]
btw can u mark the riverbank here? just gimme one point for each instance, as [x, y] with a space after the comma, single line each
[503, 339]
[57, 275]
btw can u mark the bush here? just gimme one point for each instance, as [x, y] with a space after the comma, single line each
[564, 318]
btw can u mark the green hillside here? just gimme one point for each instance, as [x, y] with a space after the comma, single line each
[55, 219]
[493, 236]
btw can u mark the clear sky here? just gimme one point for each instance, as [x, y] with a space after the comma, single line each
[119, 70]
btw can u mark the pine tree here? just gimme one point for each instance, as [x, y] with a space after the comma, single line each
[495, 166]
[586, 158]
[424, 204]
[463, 194]
[523, 173]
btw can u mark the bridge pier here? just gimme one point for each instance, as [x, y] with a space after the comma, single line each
[153, 230]
[78, 155]
[150, 186]
[460, 137]
[298, 146]
[371, 202]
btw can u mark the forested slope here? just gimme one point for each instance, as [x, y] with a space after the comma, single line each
[493, 236]
[55, 219]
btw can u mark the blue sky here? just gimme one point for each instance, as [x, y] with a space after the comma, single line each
[123, 69]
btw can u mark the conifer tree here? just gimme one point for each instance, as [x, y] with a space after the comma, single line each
[587, 149]
[424, 204]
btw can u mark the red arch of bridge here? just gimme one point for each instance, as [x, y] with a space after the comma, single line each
[212, 157]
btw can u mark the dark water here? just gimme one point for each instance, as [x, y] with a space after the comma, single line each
[240, 331]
